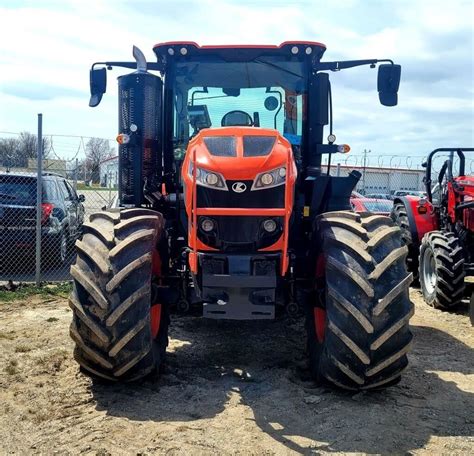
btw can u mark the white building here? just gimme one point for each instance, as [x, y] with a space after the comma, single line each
[383, 180]
[109, 173]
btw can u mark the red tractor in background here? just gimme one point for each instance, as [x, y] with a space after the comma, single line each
[224, 206]
[439, 230]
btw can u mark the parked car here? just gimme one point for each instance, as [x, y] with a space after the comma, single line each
[409, 192]
[61, 219]
[376, 206]
[384, 196]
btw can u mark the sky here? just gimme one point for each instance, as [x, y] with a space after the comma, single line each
[47, 47]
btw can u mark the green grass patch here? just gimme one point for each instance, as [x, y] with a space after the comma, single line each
[60, 290]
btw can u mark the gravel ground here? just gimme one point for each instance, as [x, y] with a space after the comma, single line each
[229, 388]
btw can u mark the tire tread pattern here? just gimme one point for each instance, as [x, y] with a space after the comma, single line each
[400, 217]
[449, 259]
[367, 304]
[111, 297]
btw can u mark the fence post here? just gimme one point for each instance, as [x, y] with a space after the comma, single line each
[39, 193]
[75, 175]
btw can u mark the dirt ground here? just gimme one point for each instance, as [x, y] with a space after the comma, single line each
[229, 388]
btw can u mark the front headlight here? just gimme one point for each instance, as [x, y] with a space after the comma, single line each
[208, 179]
[269, 179]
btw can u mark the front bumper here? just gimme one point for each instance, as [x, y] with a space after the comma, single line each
[238, 287]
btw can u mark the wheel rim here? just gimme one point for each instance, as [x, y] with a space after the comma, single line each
[429, 271]
[155, 319]
[155, 307]
[63, 248]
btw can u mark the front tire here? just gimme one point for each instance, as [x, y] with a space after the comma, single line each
[118, 333]
[357, 323]
[400, 217]
[441, 270]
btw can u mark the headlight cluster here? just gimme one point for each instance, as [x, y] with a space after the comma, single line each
[212, 179]
[209, 179]
[269, 179]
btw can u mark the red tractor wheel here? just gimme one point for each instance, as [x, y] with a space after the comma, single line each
[441, 269]
[357, 324]
[119, 332]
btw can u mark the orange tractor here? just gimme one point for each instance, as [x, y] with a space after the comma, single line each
[224, 205]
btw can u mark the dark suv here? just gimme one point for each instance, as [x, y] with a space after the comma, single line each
[61, 219]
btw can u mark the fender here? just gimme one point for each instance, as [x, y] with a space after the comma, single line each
[420, 221]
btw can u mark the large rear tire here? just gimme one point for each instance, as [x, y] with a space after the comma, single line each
[400, 217]
[441, 269]
[358, 322]
[119, 333]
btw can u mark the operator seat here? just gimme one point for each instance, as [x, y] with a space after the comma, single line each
[237, 119]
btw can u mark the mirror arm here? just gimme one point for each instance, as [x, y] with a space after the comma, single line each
[156, 66]
[342, 65]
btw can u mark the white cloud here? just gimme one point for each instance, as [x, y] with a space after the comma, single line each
[53, 44]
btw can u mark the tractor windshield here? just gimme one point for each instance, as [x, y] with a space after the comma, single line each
[268, 92]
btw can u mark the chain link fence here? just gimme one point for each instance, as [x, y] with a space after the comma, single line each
[78, 180]
[73, 185]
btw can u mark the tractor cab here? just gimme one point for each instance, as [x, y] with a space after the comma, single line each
[240, 86]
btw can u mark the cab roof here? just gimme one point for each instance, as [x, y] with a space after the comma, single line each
[238, 51]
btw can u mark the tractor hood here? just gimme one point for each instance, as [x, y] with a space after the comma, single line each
[239, 152]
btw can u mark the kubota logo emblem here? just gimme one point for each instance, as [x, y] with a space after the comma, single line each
[239, 187]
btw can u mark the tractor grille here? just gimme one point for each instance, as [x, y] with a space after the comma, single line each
[239, 233]
[269, 198]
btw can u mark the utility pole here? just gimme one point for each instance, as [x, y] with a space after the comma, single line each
[364, 168]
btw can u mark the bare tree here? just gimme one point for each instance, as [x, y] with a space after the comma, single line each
[9, 152]
[15, 152]
[29, 145]
[97, 150]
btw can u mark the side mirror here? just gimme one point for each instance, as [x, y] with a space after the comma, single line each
[388, 82]
[82, 198]
[98, 85]
[424, 164]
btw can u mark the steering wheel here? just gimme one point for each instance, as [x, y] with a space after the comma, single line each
[237, 119]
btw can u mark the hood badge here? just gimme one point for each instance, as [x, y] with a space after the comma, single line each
[239, 187]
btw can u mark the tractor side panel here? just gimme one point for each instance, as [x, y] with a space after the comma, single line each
[140, 104]
[421, 215]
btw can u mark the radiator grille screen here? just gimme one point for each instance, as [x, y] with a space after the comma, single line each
[140, 161]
